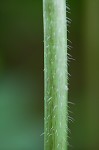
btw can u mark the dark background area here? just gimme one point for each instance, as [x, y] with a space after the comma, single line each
[21, 74]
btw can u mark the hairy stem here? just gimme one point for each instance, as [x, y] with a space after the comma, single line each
[55, 75]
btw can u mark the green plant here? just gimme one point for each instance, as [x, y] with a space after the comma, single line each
[55, 75]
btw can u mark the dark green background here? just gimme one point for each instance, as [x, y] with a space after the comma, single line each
[21, 74]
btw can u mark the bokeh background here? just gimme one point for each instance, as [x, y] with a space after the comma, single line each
[21, 75]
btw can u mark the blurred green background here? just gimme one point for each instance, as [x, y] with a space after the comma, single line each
[21, 75]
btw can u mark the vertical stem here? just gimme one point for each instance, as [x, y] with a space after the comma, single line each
[55, 75]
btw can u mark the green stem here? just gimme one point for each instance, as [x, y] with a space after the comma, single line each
[55, 75]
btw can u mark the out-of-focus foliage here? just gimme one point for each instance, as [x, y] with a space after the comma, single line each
[21, 74]
[84, 82]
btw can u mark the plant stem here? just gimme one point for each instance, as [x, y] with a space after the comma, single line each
[55, 75]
